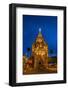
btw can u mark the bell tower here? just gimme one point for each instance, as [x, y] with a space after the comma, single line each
[40, 52]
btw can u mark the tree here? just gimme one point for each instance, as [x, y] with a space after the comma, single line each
[51, 51]
[28, 49]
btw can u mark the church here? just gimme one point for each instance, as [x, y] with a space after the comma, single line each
[40, 52]
[38, 61]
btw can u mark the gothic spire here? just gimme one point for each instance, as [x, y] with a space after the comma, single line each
[40, 34]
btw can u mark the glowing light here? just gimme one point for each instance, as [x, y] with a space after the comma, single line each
[39, 29]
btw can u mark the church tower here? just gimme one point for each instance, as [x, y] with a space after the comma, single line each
[40, 52]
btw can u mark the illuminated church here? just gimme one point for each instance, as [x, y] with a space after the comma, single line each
[39, 57]
[40, 52]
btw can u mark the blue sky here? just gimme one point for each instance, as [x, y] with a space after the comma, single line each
[48, 25]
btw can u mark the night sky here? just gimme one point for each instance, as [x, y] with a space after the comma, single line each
[48, 25]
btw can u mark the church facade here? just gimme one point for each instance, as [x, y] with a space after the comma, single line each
[38, 62]
[40, 52]
[39, 57]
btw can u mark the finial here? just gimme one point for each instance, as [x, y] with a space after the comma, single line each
[39, 34]
[39, 29]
